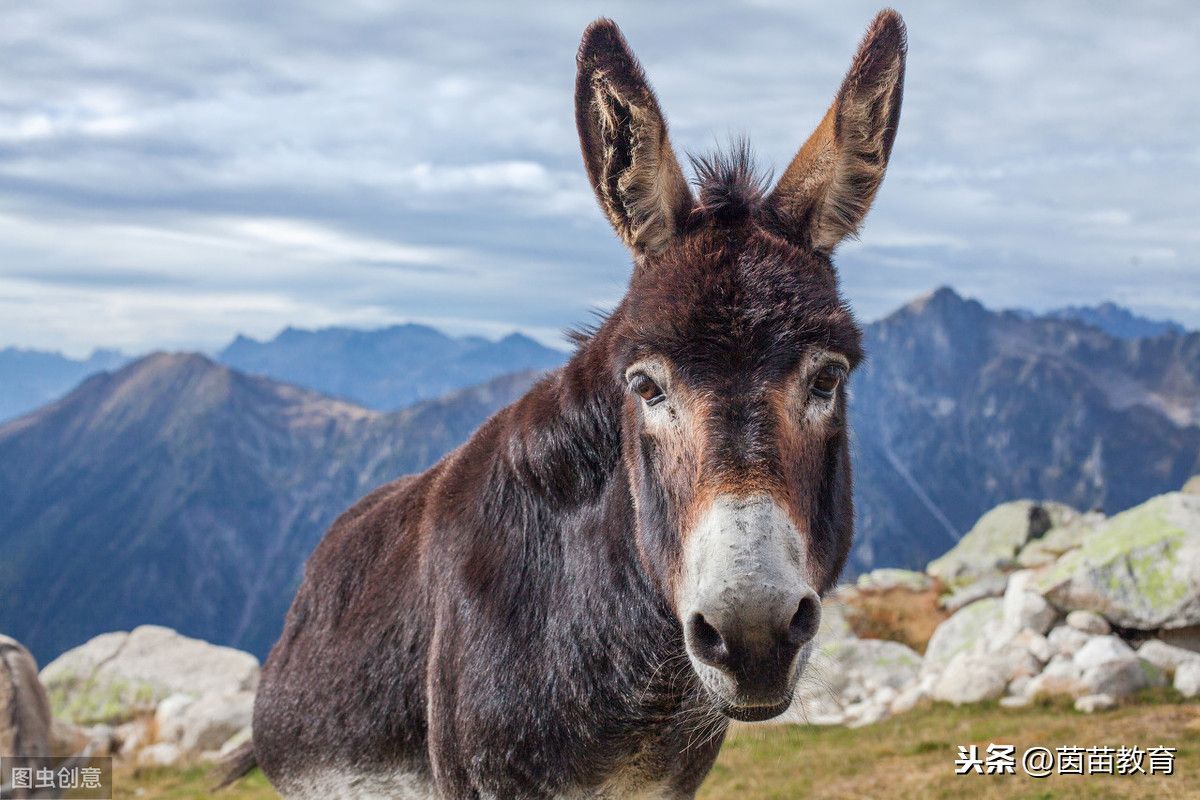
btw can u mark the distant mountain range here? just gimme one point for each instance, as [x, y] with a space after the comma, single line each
[184, 492]
[387, 368]
[31, 378]
[1116, 321]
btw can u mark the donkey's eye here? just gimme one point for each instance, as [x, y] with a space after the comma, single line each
[647, 389]
[828, 380]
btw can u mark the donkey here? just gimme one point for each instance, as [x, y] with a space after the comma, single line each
[576, 602]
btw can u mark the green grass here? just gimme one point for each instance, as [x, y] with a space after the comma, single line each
[910, 756]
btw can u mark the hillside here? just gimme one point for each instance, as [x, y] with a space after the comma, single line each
[388, 368]
[182, 492]
[959, 408]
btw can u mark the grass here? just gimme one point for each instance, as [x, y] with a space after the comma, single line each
[910, 756]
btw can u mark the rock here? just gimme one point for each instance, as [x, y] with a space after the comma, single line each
[207, 723]
[1091, 703]
[866, 713]
[1101, 649]
[967, 629]
[163, 754]
[1033, 643]
[169, 713]
[1066, 640]
[1165, 656]
[849, 672]
[1111, 667]
[908, 699]
[989, 586]
[1026, 609]
[118, 676]
[1089, 622]
[1141, 569]
[991, 546]
[1187, 679]
[971, 677]
[882, 580]
[1069, 531]
[101, 740]
[25, 720]
[1015, 701]
[1018, 687]
[235, 741]
[1060, 677]
[132, 736]
[1192, 486]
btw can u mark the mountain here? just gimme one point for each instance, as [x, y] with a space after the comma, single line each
[179, 491]
[31, 378]
[183, 492]
[959, 408]
[1117, 321]
[387, 368]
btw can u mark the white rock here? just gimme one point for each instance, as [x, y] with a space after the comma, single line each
[1101, 649]
[118, 676]
[865, 714]
[1165, 656]
[1060, 677]
[163, 754]
[970, 628]
[1091, 703]
[1119, 678]
[169, 711]
[971, 678]
[1024, 608]
[1015, 701]
[1017, 686]
[1035, 643]
[208, 722]
[1089, 622]
[1187, 679]
[908, 699]
[1067, 640]
[132, 736]
[885, 696]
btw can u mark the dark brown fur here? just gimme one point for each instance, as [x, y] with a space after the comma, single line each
[504, 624]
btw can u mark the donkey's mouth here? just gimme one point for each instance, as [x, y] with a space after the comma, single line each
[756, 713]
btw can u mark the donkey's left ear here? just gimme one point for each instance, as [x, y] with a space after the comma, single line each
[623, 136]
[827, 189]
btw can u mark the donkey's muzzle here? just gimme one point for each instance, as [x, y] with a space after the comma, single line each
[757, 651]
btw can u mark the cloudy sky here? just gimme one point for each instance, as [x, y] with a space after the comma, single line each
[169, 177]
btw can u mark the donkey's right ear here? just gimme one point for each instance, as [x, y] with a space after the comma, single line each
[626, 151]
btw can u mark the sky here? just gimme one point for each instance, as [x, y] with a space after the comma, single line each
[173, 175]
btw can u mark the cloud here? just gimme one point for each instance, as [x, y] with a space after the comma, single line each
[365, 162]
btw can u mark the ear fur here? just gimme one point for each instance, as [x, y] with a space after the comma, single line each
[626, 151]
[827, 190]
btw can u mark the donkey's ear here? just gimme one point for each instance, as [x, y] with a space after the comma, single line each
[827, 189]
[626, 151]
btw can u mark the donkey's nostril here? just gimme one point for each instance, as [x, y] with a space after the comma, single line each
[706, 641]
[805, 621]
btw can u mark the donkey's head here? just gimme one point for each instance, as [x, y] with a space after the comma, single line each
[734, 345]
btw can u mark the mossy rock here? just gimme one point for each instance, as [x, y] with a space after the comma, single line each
[109, 701]
[1140, 570]
[991, 547]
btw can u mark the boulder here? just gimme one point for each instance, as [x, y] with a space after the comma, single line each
[1089, 622]
[852, 673]
[991, 546]
[206, 723]
[1069, 531]
[1109, 666]
[988, 586]
[25, 721]
[1025, 609]
[116, 677]
[1091, 703]
[885, 579]
[1141, 569]
[1060, 677]
[1187, 679]
[972, 677]
[1165, 656]
[1192, 486]
[1067, 640]
[834, 624]
[967, 629]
